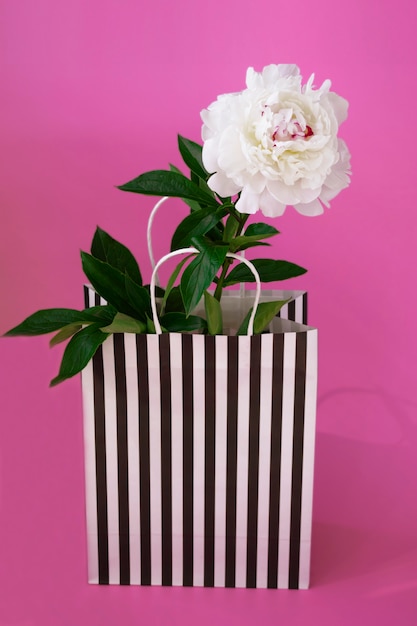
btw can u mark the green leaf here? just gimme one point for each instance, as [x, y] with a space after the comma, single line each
[191, 152]
[124, 324]
[138, 297]
[80, 349]
[166, 183]
[252, 235]
[216, 234]
[64, 334]
[200, 273]
[193, 204]
[194, 225]
[201, 182]
[230, 228]
[179, 322]
[260, 230]
[248, 244]
[265, 313]
[174, 302]
[101, 313]
[150, 326]
[109, 282]
[268, 269]
[174, 168]
[214, 314]
[172, 280]
[51, 320]
[107, 249]
[159, 291]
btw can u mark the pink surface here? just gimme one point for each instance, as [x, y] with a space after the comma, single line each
[93, 93]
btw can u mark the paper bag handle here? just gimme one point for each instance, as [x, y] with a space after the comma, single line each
[149, 233]
[238, 257]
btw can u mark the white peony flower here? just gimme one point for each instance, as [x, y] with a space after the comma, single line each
[276, 143]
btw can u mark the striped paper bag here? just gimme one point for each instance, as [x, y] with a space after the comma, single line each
[199, 455]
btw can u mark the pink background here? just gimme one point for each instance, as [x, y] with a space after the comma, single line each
[94, 93]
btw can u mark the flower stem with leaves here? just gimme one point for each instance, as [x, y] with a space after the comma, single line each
[213, 226]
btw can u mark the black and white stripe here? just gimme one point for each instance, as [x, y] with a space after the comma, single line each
[199, 458]
[296, 309]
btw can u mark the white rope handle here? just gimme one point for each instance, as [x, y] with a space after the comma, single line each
[238, 257]
[149, 232]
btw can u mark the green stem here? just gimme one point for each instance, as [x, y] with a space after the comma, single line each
[219, 286]
[242, 219]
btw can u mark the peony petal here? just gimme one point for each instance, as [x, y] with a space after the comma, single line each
[272, 74]
[209, 154]
[230, 156]
[325, 87]
[338, 178]
[257, 183]
[309, 84]
[222, 185]
[288, 69]
[248, 202]
[253, 79]
[291, 194]
[311, 209]
[269, 206]
[339, 105]
[307, 194]
[328, 194]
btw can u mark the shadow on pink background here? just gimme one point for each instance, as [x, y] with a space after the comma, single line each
[92, 94]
